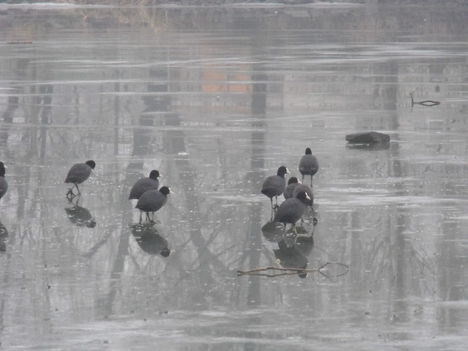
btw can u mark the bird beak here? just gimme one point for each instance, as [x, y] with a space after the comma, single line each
[307, 196]
[287, 171]
[171, 191]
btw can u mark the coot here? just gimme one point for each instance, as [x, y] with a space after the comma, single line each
[273, 186]
[77, 174]
[308, 165]
[291, 210]
[289, 191]
[144, 184]
[304, 188]
[152, 201]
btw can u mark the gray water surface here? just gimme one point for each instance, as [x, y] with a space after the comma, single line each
[217, 97]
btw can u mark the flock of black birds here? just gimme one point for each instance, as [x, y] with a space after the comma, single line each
[297, 196]
[145, 190]
[151, 198]
[296, 243]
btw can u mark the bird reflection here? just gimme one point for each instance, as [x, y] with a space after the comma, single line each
[3, 237]
[293, 245]
[78, 215]
[275, 231]
[150, 241]
[290, 256]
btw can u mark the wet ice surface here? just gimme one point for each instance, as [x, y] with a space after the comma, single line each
[217, 98]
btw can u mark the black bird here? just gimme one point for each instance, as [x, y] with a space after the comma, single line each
[289, 191]
[152, 201]
[3, 182]
[291, 210]
[308, 165]
[144, 184]
[273, 186]
[304, 188]
[77, 174]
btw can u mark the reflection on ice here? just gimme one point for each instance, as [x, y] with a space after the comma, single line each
[80, 216]
[216, 97]
[273, 231]
[149, 239]
[290, 256]
[294, 245]
[3, 237]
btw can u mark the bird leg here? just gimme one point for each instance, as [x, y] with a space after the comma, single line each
[148, 217]
[140, 217]
[79, 192]
[276, 202]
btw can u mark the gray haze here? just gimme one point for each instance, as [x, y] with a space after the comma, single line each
[217, 98]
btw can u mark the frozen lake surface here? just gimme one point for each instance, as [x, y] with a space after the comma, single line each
[216, 98]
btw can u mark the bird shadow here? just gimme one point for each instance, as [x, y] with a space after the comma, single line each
[78, 215]
[149, 239]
